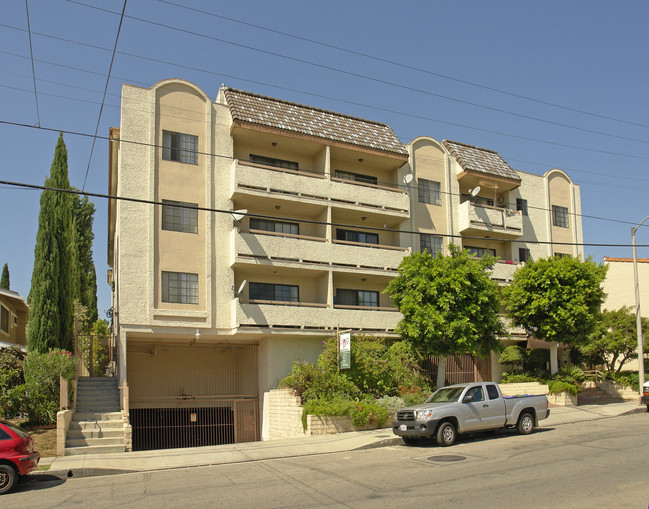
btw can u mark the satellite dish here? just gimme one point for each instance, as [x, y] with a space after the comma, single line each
[241, 287]
[238, 215]
[407, 178]
[474, 192]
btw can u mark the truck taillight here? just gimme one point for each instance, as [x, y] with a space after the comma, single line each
[645, 391]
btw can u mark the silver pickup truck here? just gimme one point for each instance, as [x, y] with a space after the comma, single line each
[467, 408]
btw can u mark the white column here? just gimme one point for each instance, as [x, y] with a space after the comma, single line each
[554, 363]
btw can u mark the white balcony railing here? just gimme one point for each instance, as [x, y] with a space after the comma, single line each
[505, 223]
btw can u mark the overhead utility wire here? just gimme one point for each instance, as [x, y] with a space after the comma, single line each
[31, 53]
[310, 221]
[387, 110]
[230, 158]
[101, 109]
[357, 75]
[401, 64]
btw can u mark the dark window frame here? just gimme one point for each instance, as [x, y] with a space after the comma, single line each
[356, 177]
[4, 319]
[269, 292]
[521, 204]
[179, 287]
[358, 297]
[180, 147]
[560, 216]
[275, 162]
[429, 191]
[524, 254]
[356, 236]
[268, 225]
[434, 250]
[178, 216]
[475, 250]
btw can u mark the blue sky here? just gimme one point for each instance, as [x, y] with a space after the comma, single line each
[550, 84]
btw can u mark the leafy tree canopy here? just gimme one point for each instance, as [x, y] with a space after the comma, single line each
[449, 303]
[614, 340]
[557, 299]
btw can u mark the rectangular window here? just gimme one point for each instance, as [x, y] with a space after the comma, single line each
[429, 191]
[272, 161]
[523, 254]
[479, 252]
[521, 205]
[362, 298]
[274, 226]
[179, 216]
[355, 177]
[356, 236]
[562, 255]
[560, 216]
[431, 243]
[180, 147]
[492, 391]
[4, 319]
[268, 291]
[179, 287]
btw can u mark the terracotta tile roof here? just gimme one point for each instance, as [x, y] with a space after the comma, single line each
[613, 259]
[480, 160]
[297, 118]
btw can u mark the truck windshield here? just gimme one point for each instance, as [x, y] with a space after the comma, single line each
[445, 394]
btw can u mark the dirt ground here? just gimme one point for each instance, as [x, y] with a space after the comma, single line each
[44, 438]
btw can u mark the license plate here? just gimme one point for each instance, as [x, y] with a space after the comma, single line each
[403, 427]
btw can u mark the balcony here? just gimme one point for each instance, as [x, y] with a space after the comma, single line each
[504, 270]
[254, 179]
[316, 250]
[498, 222]
[307, 317]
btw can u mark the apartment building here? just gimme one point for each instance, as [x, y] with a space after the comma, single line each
[14, 313]
[276, 225]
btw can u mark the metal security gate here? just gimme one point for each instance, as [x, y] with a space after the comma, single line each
[192, 396]
[459, 369]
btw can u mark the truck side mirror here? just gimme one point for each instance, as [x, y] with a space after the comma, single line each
[467, 399]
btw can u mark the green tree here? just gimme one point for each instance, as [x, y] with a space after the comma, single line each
[614, 339]
[557, 299]
[85, 279]
[51, 297]
[4, 279]
[449, 304]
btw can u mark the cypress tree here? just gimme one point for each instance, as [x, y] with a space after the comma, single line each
[4, 280]
[51, 298]
[85, 279]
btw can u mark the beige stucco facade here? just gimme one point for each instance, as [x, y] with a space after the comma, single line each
[327, 219]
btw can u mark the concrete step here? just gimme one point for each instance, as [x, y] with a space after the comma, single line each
[79, 434]
[97, 416]
[92, 442]
[95, 426]
[97, 409]
[94, 449]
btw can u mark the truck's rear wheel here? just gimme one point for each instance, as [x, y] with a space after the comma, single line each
[525, 424]
[446, 434]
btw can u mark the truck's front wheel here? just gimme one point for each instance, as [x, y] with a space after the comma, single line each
[525, 424]
[446, 434]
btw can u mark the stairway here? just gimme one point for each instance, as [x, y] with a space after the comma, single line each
[592, 395]
[96, 425]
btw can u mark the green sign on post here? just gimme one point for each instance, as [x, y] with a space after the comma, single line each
[344, 348]
[345, 359]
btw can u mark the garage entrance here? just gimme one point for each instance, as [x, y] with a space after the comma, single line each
[192, 395]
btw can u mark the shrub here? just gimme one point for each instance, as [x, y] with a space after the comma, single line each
[361, 413]
[391, 403]
[11, 376]
[517, 377]
[513, 354]
[413, 395]
[626, 378]
[557, 386]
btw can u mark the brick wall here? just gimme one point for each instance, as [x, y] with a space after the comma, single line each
[284, 415]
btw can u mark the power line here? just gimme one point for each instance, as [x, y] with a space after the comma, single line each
[230, 158]
[101, 109]
[401, 64]
[357, 75]
[31, 53]
[386, 110]
[309, 221]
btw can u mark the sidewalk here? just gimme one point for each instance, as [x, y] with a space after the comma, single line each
[103, 464]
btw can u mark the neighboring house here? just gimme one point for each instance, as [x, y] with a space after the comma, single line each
[210, 309]
[13, 319]
[620, 290]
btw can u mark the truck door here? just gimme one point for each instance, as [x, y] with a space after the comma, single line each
[494, 413]
[472, 411]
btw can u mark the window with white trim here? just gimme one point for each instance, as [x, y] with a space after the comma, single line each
[179, 216]
[179, 147]
[559, 216]
[180, 287]
[432, 243]
[429, 191]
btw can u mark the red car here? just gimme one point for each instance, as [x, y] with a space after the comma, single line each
[17, 455]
